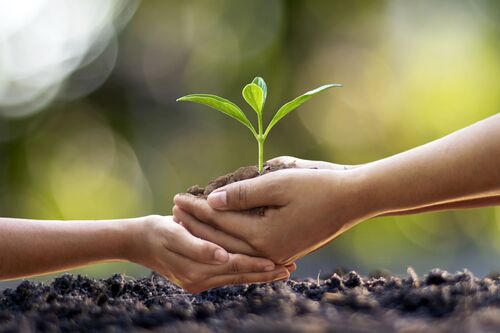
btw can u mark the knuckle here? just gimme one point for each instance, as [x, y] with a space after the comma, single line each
[204, 248]
[243, 195]
[155, 217]
[204, 251]
[275, 189]
[286, 159]
[210, 215]
[178, 213]
[169, 238]
[238, 279]
[174, 228]
[237, 196]
[233, 267]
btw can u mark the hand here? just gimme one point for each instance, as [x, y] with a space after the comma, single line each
[192, 263]
[305, 209]
[309, 164]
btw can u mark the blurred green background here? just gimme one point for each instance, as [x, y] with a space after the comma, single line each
[89, 126]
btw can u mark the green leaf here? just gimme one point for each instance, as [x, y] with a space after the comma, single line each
[292, 105]
[221, 104]
[254, 96]
[262, 84]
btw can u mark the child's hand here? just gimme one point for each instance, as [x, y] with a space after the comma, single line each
[194, 264]
[304, 210]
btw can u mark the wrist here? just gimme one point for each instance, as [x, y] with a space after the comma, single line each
[360, 193]
[131, 237]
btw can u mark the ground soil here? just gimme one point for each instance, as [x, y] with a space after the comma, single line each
[436, 302]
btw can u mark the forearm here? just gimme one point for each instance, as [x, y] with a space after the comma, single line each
[461, 166]
[30, 247]
[452, 205]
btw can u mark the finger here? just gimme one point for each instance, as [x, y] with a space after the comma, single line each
[191, 275]
[182, 242]
[233, 279]
[307, 164]
[240, 263]
[262, 191]
[237, 264]
[239, 225]
[209, 233]
[285, 160]
[291, 268]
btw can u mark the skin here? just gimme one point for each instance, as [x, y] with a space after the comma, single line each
[32, 247]
[491, 199]
[307, 208]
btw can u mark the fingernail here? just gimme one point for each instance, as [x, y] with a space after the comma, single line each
[217, 199]
[178, 197]
[268, 268]
[221, 256]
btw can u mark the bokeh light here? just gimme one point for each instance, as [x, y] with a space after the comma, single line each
[43, 42]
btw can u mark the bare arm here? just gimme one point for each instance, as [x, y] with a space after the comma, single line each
[457, 171]
[481, 200]
[31, 247]
[487, 201]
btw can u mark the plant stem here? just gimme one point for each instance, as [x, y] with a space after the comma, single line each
[260, 141]
[261, 155]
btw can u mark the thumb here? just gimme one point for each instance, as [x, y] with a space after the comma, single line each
[262, 191]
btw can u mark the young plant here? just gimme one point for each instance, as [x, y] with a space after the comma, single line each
[255, 94]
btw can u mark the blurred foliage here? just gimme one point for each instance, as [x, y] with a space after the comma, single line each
[121, 146]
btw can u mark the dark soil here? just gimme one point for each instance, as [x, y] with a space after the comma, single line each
[240, 174]
[438, 302]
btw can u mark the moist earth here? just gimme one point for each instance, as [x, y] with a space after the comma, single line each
[342, 302]
[240, 174]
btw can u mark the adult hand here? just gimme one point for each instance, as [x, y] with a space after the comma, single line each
[305, 209]
[192, 263]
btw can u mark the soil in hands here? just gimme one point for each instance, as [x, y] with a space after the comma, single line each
[242, 173]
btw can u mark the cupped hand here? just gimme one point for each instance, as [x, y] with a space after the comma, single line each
[305, 209]
[192, 263]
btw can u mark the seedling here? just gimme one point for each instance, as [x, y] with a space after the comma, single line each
[255, 94]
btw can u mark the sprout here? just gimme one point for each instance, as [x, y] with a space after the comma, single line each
[255, 94]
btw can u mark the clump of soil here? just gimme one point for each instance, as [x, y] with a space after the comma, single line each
[242, 173]
[437, 302]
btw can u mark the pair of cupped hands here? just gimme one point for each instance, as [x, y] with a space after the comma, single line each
[216, 242]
